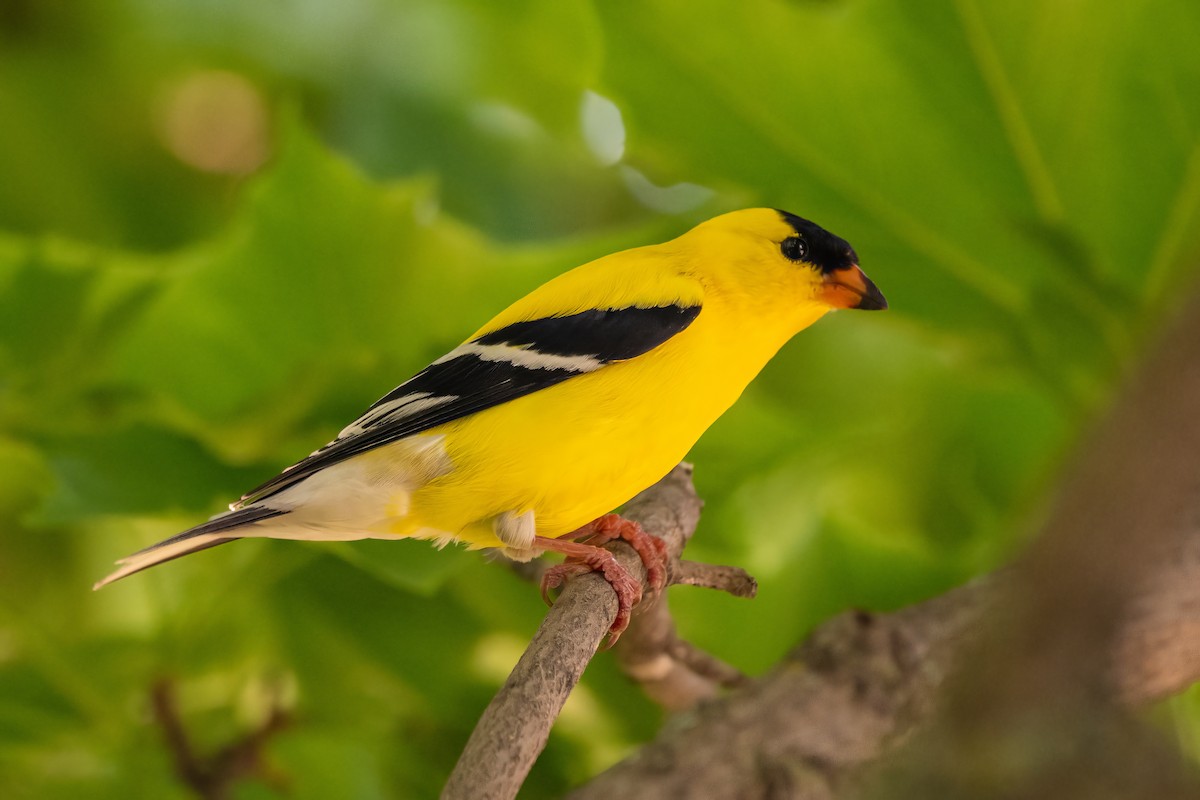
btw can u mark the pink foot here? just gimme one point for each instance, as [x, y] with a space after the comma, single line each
[595, 559]
[651, 549]
[589, 556]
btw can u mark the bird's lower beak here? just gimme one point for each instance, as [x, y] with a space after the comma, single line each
[851, 288]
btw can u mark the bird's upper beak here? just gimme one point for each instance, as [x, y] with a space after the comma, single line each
[851, 288]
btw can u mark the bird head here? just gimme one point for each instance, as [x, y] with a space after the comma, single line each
[842, 283]
[776, 252]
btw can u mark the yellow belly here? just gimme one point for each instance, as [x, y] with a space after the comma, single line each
[578, 450]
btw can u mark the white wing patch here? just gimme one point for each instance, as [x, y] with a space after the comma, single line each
[413, 403]
[399, 408]
[523, 356]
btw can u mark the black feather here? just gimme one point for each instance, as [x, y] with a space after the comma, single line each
[826, 251]
[613, 334]
[225, 522]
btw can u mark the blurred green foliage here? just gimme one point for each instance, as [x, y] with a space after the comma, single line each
[226, 228]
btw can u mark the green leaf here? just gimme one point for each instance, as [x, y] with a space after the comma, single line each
[136, 470]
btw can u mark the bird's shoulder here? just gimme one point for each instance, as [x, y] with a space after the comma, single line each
[642, 277]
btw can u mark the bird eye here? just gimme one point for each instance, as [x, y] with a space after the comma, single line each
[794, 248]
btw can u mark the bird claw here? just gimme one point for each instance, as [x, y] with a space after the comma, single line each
[589, 556]
[650, 549]
[554, 577]
[628, 590]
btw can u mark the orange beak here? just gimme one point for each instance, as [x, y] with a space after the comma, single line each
[851, 288]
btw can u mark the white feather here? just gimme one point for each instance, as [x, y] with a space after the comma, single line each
[515, 530]
[524, 357]
[399, 408]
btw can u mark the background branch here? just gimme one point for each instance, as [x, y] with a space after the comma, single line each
[214, 777]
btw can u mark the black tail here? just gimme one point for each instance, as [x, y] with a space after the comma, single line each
[201, 537]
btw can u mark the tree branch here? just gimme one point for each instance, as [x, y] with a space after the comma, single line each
[861, 680]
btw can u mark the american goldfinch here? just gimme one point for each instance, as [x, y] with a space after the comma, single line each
[562, 407]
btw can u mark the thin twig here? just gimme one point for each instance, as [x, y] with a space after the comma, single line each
[732, 580]
[706, 665]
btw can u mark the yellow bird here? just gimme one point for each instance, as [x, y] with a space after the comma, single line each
[562, 407]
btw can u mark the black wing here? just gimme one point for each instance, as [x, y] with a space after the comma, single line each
[508, 363]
